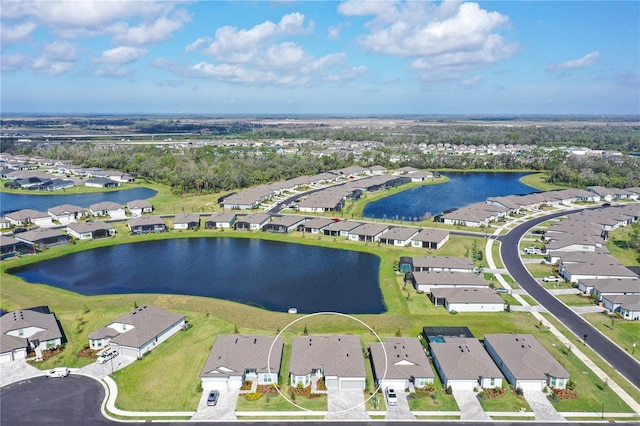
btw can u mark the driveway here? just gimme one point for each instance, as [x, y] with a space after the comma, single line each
[346, 405]
[99, 371]
[542, 407]
[470, 408]
[400, 411]
[16, 371]
[225, 409]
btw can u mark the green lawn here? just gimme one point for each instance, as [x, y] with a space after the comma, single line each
[530, 300]
[624, 333]
[617, 245]
[575, 300]
[278, 403]
[495, 252]
[539, 270]
[441, 402]
[510, 401]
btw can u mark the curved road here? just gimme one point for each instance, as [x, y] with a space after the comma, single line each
[616, 357]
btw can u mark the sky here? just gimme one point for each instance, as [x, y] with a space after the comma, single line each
[353, 57]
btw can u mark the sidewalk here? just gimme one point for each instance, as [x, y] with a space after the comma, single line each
[635, 405]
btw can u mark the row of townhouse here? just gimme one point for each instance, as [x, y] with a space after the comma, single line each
[496, 208]
[576, 245]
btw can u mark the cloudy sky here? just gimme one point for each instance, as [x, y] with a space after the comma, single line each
[320, 57]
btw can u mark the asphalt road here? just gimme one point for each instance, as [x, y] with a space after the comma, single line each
[615, 356]
[76, 400]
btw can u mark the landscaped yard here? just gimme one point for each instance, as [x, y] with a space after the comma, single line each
[277, 402]
[510, 401]
[438, 401]
[539, 269]
[576, 300]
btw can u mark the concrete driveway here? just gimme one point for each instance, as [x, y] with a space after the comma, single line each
[225, 409]
[346, 405]
[102, 370]
[17, 370]
[400, 411]
[542, 408]
[470, 408]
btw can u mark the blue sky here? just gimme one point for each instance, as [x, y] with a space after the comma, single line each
[320, 57]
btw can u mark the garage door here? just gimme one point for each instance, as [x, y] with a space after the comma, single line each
[129, 352]
[463, 384]
[531, 384]
[351, 384]
[398, 385]
[5, 357]
[331, 383]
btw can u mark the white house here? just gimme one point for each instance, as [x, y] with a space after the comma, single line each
[406, 363]
[27, 330]
[138, 332]
[468, 299]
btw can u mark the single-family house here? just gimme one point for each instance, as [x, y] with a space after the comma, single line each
[427, 280]
[430, 238]
[138, 331]
[252, 222]
[146, 224]
[10, 247]
[316, 225]
[442, 264]
[26, 217]
[627, 305]
[284, 224]
[399, 236]
[468, 299]
[609, 287]
[236, 358]
[368, 232]
[102, 182]
[90, 230]
[108, 208]
[463, 363]
[405, 364]
[139, 207]
[340, 228]
[42, 238]
[186, 221]
[225, 220]
[336, 358]
[26, 330]
[605, 266]
[420, 176]
[526, 364]
[66, 213]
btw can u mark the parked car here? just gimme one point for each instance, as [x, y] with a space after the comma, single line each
[58, 372]
[392, 397]
[19, 230]
[551, 279]
[212, 399]
[106, 356]
[532, 250]
[502, 290]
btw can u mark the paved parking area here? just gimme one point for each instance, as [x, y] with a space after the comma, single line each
[470, 408]
[541, 406]
[400, 411]
[15, 371]
[225, 409]
[346, 404]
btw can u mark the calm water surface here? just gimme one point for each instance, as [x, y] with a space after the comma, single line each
[10, 202]
[461, 190]
[267, 274]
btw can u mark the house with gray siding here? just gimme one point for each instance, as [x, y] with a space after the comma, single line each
[236, 358]
[526, 364]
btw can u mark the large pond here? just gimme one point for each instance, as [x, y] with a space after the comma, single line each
[267, 274]
[10, 202]
[461, 190]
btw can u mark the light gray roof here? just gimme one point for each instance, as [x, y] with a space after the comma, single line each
[614, 285]
[525, 357]
[318, 222]
[148, 322]
[464, 358]
[65, 209]
[82, 227]
[401, 233]
[406, 359]
[599, 268]
[287, 220]
[629, 302]
[25, 214]
[221, 217]
[139, 204]
[343, 225]
[7, 241]
[232, 354]
[105, 205]
[186, 218]
[449, 278]
[431, 235]
[369, 229]
[38, 234]
[145, 220]
[24, 318]
[340, 355]
[467, 295]
[442, 262]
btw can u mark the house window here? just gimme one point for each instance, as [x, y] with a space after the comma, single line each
[492, 382]
[20, 332]
[553, 382]
[267, 378]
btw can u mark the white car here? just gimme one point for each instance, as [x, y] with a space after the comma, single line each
[551, 279]
[58, 372]
[106, 356]
[392, 397]
[532, 250]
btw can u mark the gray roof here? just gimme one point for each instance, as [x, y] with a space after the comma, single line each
[467, 295]
[186, 218]
[525, 357]
[255, 218]
[369, 229]
[145, 220]
[25, 214]
[442, 262]
[220, 217]
[629, 302]
[340, 355]
[139, 204]
[406, 359]
[318, 222]
[600, 268]
[65, 209]
[148, 322]
[431, 235]
[82, 227]
[38, 234]
[402, 233]
[287, 220]
[614, 285]
[105, 205]
[232, 354]
[343, 225]
[464, 358]
[449, 278]
[24, 318]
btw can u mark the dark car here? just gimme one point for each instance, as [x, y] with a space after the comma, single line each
[19, 230]
[213, 397]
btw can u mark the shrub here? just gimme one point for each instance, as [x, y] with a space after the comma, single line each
[519, 391]
[449, 390]
[571, 385]
[253, 396]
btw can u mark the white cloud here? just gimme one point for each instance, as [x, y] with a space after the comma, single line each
[122, 55]
[155, 32]
[45, 65]
[113, 71]
[15, 62]
[586, 61]
[11, 34]
[446, 40]
[61, 50]
[197, 44]
[471, 81]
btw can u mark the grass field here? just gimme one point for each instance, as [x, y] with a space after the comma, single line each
[538, 181]
[575, 300]
[510, 401]
[618, 246]
[625, 333]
